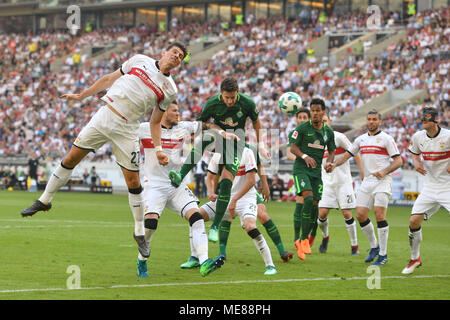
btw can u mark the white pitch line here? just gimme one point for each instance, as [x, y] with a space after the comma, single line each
[218, 283]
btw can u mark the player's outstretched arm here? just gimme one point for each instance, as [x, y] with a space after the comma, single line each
[260, 137]
[155, 129]
[219, 130]
[101, 84]
[329, 167]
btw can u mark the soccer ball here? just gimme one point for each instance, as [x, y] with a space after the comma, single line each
[290, 102]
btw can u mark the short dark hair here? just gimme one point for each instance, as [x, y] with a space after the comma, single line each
[229, 85]
[318, 101]
[178, 45]
[303, 110]
[373, 111]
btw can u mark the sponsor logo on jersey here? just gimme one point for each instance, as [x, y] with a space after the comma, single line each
[316, 145]
[148, 82]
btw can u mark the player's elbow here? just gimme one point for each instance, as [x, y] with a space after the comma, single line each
[398, 162]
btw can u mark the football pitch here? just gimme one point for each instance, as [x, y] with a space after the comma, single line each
[92, 234]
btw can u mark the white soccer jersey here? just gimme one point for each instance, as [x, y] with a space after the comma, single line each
[436, 157]
[142, 87]
[172, 144]
[376, 152]
[341, 174]
[248, 163]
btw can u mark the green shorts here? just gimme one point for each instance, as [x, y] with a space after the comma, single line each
[303, 182]
[231, 155]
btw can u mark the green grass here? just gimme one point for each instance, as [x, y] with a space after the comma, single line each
[94, 232]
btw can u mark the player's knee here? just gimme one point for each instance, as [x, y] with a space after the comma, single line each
[323, 213]
[196, 216]
[204, 214]
[249, 224]
[136, 190]
[346, 213]
[253, 233]
[151, 223]
[415, 221]
[308, 201]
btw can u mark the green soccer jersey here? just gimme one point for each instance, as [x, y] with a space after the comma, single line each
[229, 117]
[312, 142]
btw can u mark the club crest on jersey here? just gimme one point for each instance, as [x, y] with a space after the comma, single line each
[229, 122]
[325, 137]
[239, 114]
[442, 144]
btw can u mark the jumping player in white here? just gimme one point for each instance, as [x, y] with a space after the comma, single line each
[338, 192]
[159, 193]
[139, 85]
[433, 143]
[377, 147]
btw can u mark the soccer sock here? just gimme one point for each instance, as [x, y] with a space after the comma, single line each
[323, 225]
[415, 238]
[368, 230]
[193, 253]
[224, 232]
[194, 156]
[273, 233]
[222, 200]
[306, 217]
[314, 217]
[199, 238]
[150, 228]
[135, 199]
[58, 179]
[383, 233]
[350, 224]
[297, 220]
[262, 246]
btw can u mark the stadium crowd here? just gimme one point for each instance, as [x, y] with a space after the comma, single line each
[34, 118]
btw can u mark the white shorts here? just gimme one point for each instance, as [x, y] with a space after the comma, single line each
[245, 208]
[338, 196]
[429, 202]
[158, 197]
[106, 126]
[373, 192]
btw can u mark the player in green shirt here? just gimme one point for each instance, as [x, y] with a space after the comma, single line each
[308, 142]
[229, 110]
[303, 115]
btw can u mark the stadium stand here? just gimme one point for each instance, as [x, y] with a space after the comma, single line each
[36, 69]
